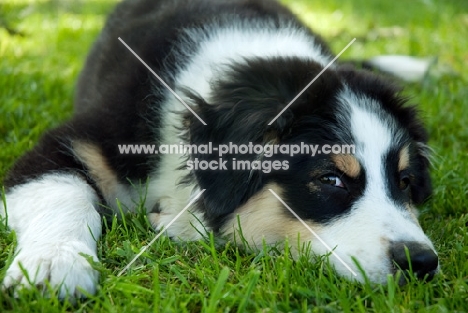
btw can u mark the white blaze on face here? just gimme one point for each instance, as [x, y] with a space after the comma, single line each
[375, 220]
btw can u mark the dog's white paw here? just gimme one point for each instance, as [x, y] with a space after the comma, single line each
[59, 265]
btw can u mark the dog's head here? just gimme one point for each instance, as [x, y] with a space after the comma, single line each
[357, 193]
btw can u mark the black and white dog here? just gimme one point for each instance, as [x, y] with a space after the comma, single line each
[235, 65]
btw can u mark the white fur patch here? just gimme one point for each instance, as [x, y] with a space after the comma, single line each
[221, 46]
[166, 192]
[55, 220]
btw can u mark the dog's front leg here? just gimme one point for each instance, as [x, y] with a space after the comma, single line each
[57, 225]
[51, 206]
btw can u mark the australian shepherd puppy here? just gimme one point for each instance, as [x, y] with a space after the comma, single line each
[241, 85]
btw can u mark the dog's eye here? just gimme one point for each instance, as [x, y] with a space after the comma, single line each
[332, 180]
[404, 183]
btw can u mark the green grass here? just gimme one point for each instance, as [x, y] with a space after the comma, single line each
[40, 57]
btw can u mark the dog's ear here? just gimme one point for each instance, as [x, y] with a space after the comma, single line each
[409, 117]
[422, 189]
[244, 102]
[228, 184]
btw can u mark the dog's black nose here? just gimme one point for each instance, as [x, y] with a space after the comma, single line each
[424, 261]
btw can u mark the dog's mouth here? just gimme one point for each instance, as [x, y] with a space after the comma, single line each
[404, 277]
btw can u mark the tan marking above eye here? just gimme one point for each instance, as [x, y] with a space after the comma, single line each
[348, 164]
[403, 160]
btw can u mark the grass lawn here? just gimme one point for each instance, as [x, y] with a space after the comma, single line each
[42, 47]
